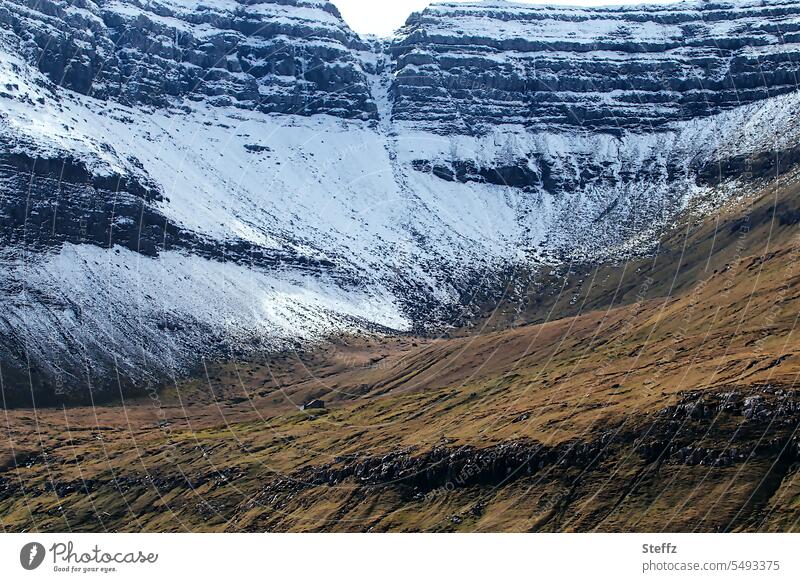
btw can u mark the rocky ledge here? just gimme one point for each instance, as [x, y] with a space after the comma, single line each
[468, 66]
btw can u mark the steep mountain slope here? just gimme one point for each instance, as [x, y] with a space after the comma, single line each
[468, 67]
[669, 413]
[286, 56]
[184, 180]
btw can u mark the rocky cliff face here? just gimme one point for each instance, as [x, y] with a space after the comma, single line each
[184, 180]
[469, 67]
[284, 56]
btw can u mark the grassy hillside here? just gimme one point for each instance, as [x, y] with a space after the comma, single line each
[656, 395]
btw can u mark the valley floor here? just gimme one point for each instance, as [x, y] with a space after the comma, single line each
[664, 398]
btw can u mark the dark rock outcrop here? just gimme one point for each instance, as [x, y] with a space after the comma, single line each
[466, 67]
[276, 56]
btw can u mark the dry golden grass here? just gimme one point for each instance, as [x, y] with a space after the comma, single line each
[715, 312]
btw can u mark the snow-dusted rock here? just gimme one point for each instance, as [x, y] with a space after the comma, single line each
[285, 56]
[467, 67]
[182, 179]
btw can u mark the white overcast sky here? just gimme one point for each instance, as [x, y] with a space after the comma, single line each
[382, 17]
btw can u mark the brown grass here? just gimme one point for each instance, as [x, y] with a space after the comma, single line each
[709, 320]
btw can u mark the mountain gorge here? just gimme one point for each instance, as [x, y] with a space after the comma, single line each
[186, 180]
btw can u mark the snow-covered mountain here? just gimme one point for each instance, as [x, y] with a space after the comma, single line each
[185, 179]
[468, 67]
